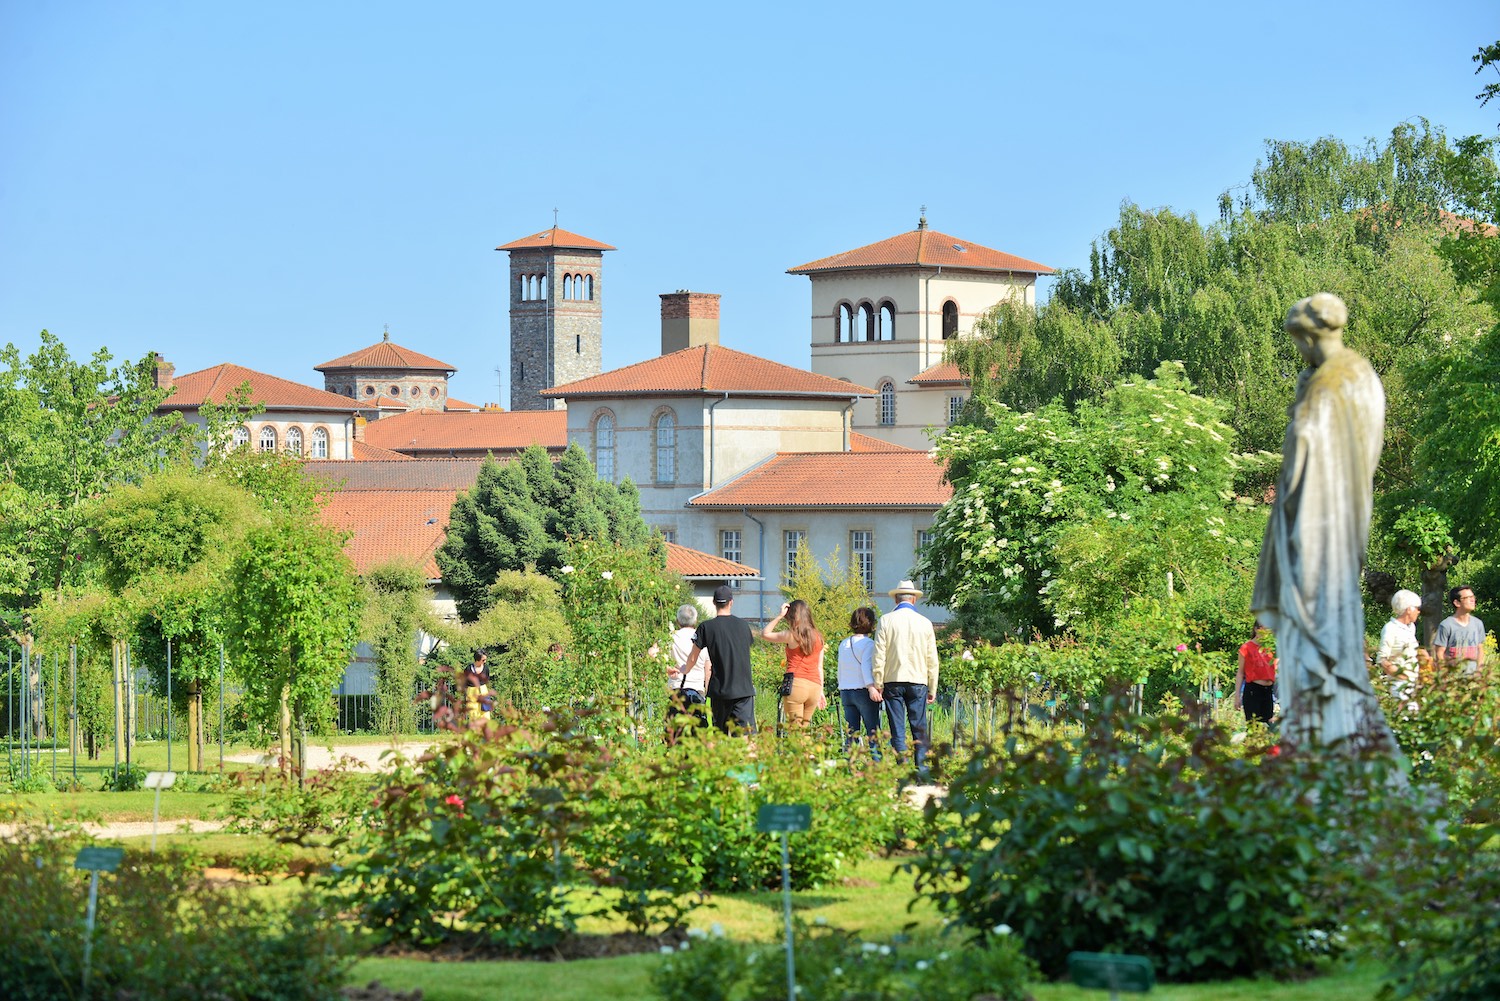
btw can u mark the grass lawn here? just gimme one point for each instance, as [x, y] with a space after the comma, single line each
[873, 900]
[628, 978]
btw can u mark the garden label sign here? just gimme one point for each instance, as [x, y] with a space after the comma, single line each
[158, 781]
[94, 859]
[783, 818]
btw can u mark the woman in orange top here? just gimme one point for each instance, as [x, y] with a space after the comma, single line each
[804, 660]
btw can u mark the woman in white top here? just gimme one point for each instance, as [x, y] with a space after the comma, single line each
[696, 682]
[857, 691]
[1397, 654]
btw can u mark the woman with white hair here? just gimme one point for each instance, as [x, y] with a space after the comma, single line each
[686, 689]
[1397, 653]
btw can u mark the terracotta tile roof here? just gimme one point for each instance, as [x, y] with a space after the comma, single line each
[942, 374]
[708, 370]
[923, 248]
[219, 382]
[385, 402]
[454, 404]
[866, 443]
[493, 430]
[385, 354]
[391, 525]
[363, 450]
[693, 563]
[399, 473]
[908, 479]
[555, 237]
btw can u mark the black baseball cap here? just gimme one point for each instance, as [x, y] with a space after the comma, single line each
[723, 594]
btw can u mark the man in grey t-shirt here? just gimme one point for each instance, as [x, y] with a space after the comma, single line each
[1460, 637]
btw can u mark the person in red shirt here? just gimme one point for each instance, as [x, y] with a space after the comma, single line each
[1255, 679]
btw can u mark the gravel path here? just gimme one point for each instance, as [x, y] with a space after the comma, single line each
[367, 757]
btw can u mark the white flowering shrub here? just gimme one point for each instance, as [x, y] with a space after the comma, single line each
[1058, 517]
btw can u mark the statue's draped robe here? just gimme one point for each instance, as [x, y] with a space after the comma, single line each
[1307, 587]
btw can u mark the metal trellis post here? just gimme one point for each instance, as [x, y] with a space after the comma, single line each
[73, 712]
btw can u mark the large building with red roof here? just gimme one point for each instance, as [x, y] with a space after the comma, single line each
[294, 418]
[746, 458]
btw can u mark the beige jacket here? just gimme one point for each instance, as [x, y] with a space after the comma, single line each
[906, 649]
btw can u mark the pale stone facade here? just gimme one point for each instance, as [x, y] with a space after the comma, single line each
[891, 538]
[911, 344]
[309, 434]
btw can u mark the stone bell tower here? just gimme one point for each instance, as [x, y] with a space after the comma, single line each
[556, 313]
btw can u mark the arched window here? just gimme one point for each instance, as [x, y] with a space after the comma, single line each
[843, 324]
[864, 324]
[950, 319]
[241, 436]
[541, 286]
[887, 402]
[588, 287]
[604, 446]
[268, 439]
[887, 318]
[320, 443]
[666, 448]
[294, 440]
[567, 286]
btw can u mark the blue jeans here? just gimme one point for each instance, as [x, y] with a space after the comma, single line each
[906, 704]
[861, 711]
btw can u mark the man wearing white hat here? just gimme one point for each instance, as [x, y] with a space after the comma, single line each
[906, 669]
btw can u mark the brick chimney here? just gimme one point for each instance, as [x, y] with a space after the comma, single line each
[688, 319]
[165, 370]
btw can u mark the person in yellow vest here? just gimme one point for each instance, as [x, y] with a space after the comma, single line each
[477, 698]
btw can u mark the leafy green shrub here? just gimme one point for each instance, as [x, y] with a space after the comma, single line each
[162, 932]
[836, 965]
[1449, 726]
[478, 833]
[1156, 836]
[128, 778]
[321, 812]
[682, 818]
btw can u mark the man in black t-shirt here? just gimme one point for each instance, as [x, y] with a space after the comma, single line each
[726, 639]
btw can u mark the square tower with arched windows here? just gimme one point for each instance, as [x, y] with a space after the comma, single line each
[556, 313]
[882, 314]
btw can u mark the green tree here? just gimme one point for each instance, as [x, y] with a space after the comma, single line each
[524, 514]
[832, 589]
[526, 635]
[163, 549]
[395, 609]
[1459, 413]
[292, 627]
[1361, 222]
[69, 431]
[619, 601]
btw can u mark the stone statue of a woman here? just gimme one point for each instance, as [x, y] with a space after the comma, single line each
[1307, 587]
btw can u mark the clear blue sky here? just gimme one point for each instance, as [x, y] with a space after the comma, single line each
[270, 183]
